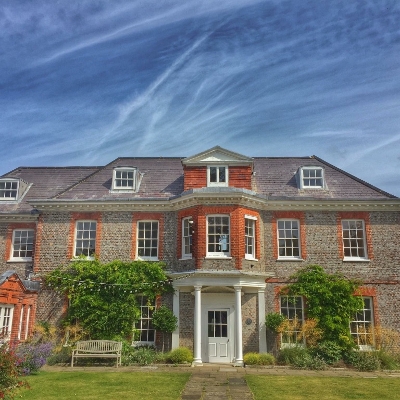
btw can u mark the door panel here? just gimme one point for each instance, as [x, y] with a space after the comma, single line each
[218, 335]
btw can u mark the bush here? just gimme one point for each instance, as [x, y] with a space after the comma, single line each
[9, 373]
[143, 355]
[367, 361]
[63, 356]
[387, 360]
[32, 356]
[328, 351]
[300, 357]
[289, 355]
[181, 355]
[259, 359]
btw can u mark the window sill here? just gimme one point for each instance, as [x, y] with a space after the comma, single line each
[185, 258]
[82, 259]
[290, 259]
[146, 259]
[19, 260]
[250, 258]
[218, 258]
[356, 260]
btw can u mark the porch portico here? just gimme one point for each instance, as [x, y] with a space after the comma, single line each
[218, 316]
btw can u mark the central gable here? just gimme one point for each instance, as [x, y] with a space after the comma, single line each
[217, 167]
[217, 155]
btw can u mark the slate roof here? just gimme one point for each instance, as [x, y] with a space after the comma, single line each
[163, 179]
[45, 183]
[276, 177]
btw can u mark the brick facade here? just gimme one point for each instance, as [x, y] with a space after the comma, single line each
[187, 195]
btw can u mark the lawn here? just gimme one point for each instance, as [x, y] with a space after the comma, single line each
[326, 388]
[104, 385]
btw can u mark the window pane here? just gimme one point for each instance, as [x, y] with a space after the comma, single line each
[147, 242]
[288, 234]
[353, 238]
[213, 174]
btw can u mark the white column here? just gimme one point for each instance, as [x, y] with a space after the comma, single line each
[238, 326]
[197, 326]
[262, 329]
[175, 309]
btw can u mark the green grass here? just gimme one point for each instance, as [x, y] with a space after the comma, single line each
[326, 388]
[104, 385]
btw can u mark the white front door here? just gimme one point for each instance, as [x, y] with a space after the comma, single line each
[217, 340]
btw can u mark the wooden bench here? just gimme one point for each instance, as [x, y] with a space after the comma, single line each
[97, 349]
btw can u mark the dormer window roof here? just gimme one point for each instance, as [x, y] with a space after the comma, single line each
[312, 177]
[124, 179]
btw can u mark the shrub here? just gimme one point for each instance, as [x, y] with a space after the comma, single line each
[181, 355]
[366, 361]
[388, 361]
[9, 373]
[63, 356]
[328, 351]
[289, 355]
[32, 356]
[259, 359]
[300, 357]
[143, 355]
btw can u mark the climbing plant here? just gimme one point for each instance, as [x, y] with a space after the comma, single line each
[103, 297]
[330, 300]
[164, 321]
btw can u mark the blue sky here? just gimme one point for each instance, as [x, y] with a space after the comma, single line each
[84, 82]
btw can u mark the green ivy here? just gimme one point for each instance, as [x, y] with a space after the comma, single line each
[103, 297]
[330, 300]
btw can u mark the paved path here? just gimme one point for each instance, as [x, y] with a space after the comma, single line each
[217, 382]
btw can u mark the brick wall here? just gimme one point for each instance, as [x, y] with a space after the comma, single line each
[238, 176]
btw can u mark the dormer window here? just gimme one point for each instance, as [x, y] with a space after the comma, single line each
[124, 179]
[312, 178]
[217, 175]
[9, 189]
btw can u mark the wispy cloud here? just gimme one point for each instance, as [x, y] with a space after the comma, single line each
[264, 78]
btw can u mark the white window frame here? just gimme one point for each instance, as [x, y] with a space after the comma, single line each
[217, 182]
[6, 320]
[354, 242]
[14, 244]
[4, 190]
[223, 242]
[362, 325]
[290, 311]
[144, 328]
[303, 178]
[116, 178]
[285, 239]
[91, 254]
[187, 237]
[144, 238]
[250, 239]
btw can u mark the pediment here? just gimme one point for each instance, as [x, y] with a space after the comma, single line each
[217, 155]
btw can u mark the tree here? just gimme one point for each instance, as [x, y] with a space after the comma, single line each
[330, 299]
[103, 297]
[164, 321]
